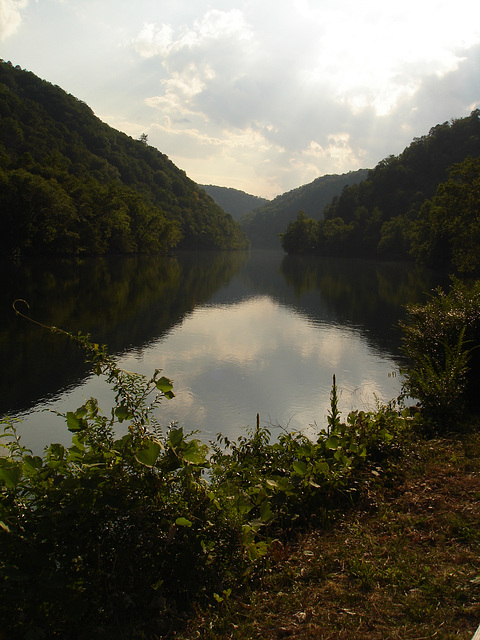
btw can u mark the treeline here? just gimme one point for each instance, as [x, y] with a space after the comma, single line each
[422, 204]
[70, 184]
[264, 224]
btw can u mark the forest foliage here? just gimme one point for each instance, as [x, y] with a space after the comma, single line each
[70, 184]
[264, 224]
[424, 203]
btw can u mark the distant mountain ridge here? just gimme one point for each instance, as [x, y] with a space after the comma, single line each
[71, 184]
[233, 201]
[264, 224]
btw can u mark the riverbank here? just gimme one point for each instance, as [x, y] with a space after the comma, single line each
[404, 564]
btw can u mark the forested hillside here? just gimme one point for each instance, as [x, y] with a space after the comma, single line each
[424, 203]
[233, 201]
[263, 225]
[71, 184]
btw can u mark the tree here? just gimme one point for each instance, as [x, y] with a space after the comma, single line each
[448, 227]
[301, 235]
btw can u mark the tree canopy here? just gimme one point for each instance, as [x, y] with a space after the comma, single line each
[71, 184]
[424, 204]
[264, 224]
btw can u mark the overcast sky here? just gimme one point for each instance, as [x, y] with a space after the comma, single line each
[260, 95]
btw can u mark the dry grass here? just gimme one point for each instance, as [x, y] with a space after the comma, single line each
[404, 566]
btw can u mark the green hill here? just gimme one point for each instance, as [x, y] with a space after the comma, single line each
[71, 184]
[234, 201]
[263, 225]
[383, 215]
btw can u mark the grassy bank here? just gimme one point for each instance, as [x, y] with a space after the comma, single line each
[404, 564]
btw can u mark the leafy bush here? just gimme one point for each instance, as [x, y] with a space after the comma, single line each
[296, 482]
[440, 340]
[111, 529]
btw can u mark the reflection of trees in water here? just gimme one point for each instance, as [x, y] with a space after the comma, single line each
[129, 302]
[124, 302]
[368, 294]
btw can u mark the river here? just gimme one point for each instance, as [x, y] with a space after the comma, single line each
[238, 333]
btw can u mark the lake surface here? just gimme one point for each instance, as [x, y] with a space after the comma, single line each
[238, 333]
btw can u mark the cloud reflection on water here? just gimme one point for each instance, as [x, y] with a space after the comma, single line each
[230, 362]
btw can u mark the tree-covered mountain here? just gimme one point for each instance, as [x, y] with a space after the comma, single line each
[264, 224]
[423, 203]
[70, 183]
[233, 201]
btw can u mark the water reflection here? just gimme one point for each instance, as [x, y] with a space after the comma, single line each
[238, 333]
[231, 362]
[122, 302]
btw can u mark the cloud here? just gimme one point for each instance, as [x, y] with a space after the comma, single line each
[262, 96]
[163, 40]
[11, 16]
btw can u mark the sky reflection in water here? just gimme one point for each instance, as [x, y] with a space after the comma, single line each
[237, 335]
[230, 362]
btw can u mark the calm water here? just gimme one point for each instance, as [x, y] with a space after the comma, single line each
[239, 334]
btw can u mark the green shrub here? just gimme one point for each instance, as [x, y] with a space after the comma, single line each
[440, 340]
[112, 532]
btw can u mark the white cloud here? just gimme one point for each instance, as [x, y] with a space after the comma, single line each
[216, 25]
[11, 16]
[267, 95]
[153, 40]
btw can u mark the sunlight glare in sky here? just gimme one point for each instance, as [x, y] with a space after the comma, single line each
[260, 96]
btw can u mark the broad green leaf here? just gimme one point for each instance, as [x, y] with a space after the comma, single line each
[304, 452]
[175, 437]
[78, 442]
[32, 464]
[243, 504]
[76, 421]
[10, 473]
[165, 386]
[300, 467]
[73, 423]
[122, 413]
[195, 453]
[81, 412]
[322, 467]
[332, 443]
[257, 550]
[75, 454]
[183, 522]
[265, 511]
[147, 455]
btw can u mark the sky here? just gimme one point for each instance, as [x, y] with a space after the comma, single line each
[258, 95]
